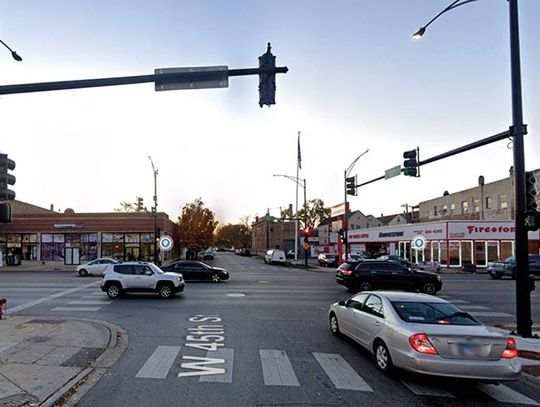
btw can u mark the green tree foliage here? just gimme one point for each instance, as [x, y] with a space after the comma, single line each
[316, 212]
[196, 226]
[126, 207]
[233, 236]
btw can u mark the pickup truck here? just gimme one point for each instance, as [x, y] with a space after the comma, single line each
[499, 269]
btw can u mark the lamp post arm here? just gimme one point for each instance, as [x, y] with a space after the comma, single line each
[452, 6]
[294, 179]
[349, 169]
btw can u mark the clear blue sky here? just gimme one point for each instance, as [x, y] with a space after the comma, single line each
[356, 81]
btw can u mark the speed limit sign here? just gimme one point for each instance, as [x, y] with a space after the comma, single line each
[165, 243]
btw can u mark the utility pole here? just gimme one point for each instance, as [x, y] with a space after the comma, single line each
[154, 213]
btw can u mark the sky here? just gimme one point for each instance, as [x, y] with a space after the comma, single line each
[356, 81]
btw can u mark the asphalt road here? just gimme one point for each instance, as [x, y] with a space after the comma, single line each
[267, 329]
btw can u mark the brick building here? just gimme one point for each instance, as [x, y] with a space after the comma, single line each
[272, 233]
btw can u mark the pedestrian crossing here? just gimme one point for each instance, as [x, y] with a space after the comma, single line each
[476, 310]
[166, 362]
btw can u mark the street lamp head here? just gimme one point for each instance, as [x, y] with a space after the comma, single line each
[418, 34]
[16, 56]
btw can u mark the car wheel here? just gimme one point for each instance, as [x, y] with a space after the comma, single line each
[382, 357]
[83, 272]
[365, 286]
[114, 290]
[334, 325]
[496, 276]
[165, 291]
[429, 288]
[216, 278]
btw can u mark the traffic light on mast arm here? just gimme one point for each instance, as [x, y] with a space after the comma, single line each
[532, 216]
[267, 80]
[410, 164]
[6, 179]
[307, 233]
[350, 185]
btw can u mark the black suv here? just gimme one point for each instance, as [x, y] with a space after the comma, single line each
[375, 274]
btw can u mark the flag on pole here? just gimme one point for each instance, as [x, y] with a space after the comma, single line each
[299, 153]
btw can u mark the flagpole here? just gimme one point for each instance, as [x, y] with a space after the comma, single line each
[298, 164]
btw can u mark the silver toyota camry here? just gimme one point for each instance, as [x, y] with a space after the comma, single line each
[425, 334]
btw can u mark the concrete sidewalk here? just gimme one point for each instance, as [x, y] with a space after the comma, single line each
[44, 360]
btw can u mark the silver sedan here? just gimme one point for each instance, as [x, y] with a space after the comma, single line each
[94, 268]
[425, 334]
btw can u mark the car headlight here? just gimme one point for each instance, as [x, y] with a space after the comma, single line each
[439, 278]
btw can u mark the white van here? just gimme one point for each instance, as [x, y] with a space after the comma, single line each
[274, 256]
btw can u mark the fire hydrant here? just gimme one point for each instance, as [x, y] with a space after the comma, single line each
[3, 302]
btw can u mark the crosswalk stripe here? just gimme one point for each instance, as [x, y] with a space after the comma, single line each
[505, 394]
[157, 366]
[89, 302]
[228, 356]
[340, 372]
[426, 389]
[472, 307]
[82, 309]
[277, 369]
[489, 314]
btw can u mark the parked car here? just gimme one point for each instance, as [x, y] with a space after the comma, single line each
[244, 251]
[208, 255]
[274, 256]
[382, 274]
[197, 271]
[425, 334]
[140, 277]
[95, 267]
[507, 268]
[290, 254]
[327, 260]
[396, 258]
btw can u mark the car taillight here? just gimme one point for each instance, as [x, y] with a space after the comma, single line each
[511, 350]
[421, 344]
[346, 272]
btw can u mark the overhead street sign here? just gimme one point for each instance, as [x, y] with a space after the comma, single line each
[392, 172]
[166, 243]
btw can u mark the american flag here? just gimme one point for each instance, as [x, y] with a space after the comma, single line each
[299, 153]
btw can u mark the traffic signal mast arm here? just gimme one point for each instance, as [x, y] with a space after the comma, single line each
[480, 143]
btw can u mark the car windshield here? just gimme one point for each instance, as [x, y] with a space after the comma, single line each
[510, 259]
[433, 313]
[155, 268]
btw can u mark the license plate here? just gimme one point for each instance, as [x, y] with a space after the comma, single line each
[469, 349]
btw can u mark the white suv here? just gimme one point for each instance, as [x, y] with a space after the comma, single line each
[140, 277]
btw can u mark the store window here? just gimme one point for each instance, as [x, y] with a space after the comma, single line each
[29, 246]
[443, 252]
[480, 253]
[112, 245]
[52, 246]
[454, 252]
[492, 251]
[147, 247]
[507, 250]
[466, 252]
[503, 201]
[88, 246]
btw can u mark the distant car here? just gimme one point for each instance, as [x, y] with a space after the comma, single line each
[208, 255]
[244, 251]
[327, 260]
[197, 271]
[396, 258]
[383, 274]
[95, 267]
[140, 277]
[290, 254]
[425, 334]
[507, 268]
[274, 256]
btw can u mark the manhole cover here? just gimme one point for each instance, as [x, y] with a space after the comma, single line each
[236, 295]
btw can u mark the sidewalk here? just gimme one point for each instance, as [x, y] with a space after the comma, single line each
[44, 359]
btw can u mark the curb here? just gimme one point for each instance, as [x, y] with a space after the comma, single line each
[77, 387]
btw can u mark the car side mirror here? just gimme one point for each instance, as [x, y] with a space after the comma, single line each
[342, 303]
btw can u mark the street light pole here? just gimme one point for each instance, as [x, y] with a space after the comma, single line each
[346, 220]
[154, 212]
[524, 285]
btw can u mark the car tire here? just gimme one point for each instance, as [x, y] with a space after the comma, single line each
[428, 288]
[364, 286]
[334, 325]
[165, 291]
[216, 278]
[114, 290]
[383, 358]
[83, 273]
[496, 276]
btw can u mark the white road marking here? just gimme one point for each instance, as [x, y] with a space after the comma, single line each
[505, 394]
[490, 314]
[77, 309]
[277, 369]
[426, 389]
[89, 302]
[157, 366]
[341, 373]
[227, 355]
[472, 307]
[50, 297]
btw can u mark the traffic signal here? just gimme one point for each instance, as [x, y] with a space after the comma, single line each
[139, 204]
[5, 212]
[530, 191]
[267, 80]
[307, 232]
[6, 179]
[350, 185]
[411, 163]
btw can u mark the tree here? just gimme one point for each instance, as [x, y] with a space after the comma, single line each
[233, 236]
[126, 207]
[316, 213]
[196, 226]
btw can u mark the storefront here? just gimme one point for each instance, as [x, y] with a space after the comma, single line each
[450, 244]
